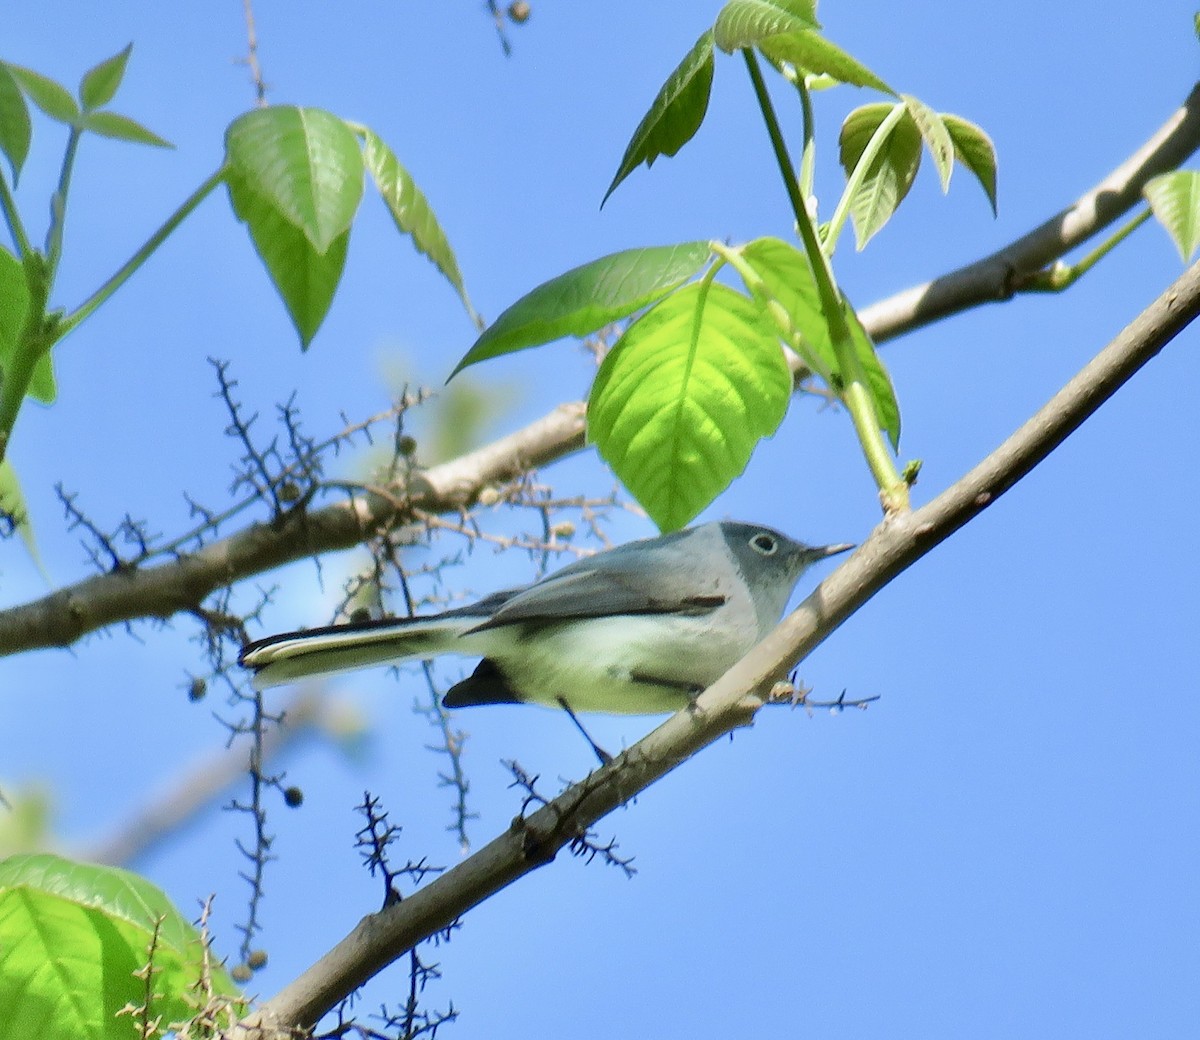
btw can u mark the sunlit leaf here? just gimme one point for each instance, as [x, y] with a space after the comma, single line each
[788, 292]
[883, 394]
[305, 277]
[811, 52]
[13, 506]
[675, 114]
[1175, 199]
[99, 84]
[974, 150]
[16, 130]
[73, 937]
[588, 297]
[683, 398]
[746, 23]
[411, 211]
[891, 173]
[14, 307]
[787, 282]
[935, 135]
[122, 128]
[305, 163]
[51, 97]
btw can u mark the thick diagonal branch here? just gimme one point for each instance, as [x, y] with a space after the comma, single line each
[64, 616]
[734, 700]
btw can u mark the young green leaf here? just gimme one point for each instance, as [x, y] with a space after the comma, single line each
[936, 136]
[889, 175]
[974, 150]
[305, 277]
[746, 23]
[879, 383]
[683, 398]
[51, 97]
[16, 130]
[1175, 199]
[99, 85]
[675, 114]
[587, 298]
[74, 939]
[305, 163]
[411, 211]
[813, 53]
[122, 128]
[786, 285]
[786, 282]
[14, 306]
[12, 506]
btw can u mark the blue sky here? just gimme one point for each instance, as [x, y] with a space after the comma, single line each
[1004, 845]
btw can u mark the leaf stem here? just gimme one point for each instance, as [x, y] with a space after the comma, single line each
[808, 154]
[854, 391]
[58, 206]
[1060, 276]
[89, 306]
[12, 218]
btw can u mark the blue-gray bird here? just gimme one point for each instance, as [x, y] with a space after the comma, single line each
[638, 629]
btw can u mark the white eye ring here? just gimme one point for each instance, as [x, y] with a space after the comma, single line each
[764, 544]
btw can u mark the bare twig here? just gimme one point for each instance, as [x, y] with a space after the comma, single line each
[251, 59]
[197, 789]
[733, 700]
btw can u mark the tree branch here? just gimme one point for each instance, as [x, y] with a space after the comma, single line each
[66, 615]
[182, 585]
[1001, 275]
[734, 699]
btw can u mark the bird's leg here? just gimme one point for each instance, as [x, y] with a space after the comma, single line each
[604, 757]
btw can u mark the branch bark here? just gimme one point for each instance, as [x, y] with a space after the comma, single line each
[734, 700]
[999, 276]
[66, 615]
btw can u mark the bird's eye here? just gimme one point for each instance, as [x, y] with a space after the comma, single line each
[764, 543]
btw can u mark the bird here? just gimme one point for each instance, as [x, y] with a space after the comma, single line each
[637, 629]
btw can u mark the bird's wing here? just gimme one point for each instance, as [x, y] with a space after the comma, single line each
[613, 587]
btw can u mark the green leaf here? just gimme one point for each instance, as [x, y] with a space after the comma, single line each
[305, 277]
[975, 150]
[1175, 199]
[122, 128]
[787, 289]
[675, 114]
[99, 85]
[14, 308]
[746, 23]
[411, 211]
[890, 174]
[305, 163]
[12, 505]
[887, 409]
[936, 136]
[587, 298]
[52, 98]
[813, 53]
[683, 398]
[72, 937]
[16, 130]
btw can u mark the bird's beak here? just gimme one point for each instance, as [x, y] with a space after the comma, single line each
[821, 551]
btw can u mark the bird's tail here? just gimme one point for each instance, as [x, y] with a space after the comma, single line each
[321, 651]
